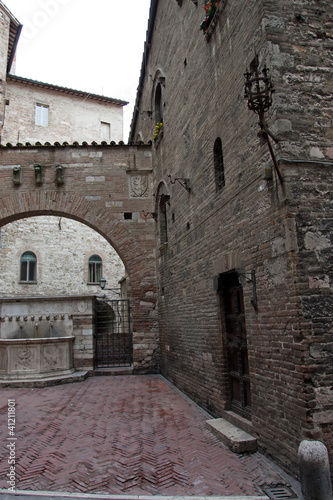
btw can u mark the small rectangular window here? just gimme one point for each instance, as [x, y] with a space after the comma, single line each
[105, 131]
[42, 115]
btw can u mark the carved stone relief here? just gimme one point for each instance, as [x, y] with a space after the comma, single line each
[139, 186]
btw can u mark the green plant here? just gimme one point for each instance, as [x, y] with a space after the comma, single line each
[158, 128]
[210, 9]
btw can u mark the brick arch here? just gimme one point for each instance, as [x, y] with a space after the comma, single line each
[139, 265]
[139, 268]
[18, 206]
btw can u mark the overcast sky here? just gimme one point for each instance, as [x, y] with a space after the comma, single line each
[91, 45]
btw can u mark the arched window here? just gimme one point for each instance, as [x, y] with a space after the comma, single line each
[28, 272]
[158, 104]
[95, 269]
[218, 165]
[163, 218]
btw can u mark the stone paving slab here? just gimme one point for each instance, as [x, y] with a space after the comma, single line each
[125, 435]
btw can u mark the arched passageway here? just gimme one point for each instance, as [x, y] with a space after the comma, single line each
[104, 192]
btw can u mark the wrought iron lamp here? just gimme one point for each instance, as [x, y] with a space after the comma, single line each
[258, 92]
[102, 283]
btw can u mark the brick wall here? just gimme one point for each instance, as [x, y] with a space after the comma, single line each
[108, 189]
[251, 224]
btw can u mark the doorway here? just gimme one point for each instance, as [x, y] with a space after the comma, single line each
[233, 314]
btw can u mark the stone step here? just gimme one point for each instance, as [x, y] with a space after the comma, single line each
[235, 438]
[116, 370]
[46, 381]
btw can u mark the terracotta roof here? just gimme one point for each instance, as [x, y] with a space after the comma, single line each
[65, 90]
[73, 144]
[15, 28]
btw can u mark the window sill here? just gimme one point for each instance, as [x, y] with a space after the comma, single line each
[28, 282]
[94, 283]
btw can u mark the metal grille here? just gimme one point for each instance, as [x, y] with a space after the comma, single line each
[113, 338]
[279, 492]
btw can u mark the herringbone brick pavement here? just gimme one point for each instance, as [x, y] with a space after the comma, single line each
[134, 435]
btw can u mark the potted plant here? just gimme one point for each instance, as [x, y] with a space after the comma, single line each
[158, 130]
[210, 7]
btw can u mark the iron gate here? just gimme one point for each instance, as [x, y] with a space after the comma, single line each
[113, 338]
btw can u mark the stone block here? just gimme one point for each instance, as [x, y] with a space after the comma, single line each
[236, 439]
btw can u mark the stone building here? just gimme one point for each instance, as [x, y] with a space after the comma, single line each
[50, 267]
[239, 226]
[33, 111]
[244, 245]
[64, 257]
[41, 112]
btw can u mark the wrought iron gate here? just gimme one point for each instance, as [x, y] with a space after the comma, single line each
[113, 337]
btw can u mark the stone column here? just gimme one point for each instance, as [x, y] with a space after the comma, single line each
[314, 471]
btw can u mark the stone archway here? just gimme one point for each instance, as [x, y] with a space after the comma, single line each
[139, 265]
[96, 188]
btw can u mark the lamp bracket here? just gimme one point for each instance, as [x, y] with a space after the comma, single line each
[184, 182]
[258, 93]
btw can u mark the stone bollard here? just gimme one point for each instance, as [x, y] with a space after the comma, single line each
[314, 471]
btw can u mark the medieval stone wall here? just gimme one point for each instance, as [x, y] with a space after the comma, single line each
[63, 247]
[252, 223]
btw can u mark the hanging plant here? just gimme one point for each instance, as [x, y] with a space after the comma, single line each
[158, 129]
[210, 7]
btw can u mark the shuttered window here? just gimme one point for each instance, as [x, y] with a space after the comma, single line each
[42, 115]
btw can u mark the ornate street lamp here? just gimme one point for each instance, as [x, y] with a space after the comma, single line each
[258, 92]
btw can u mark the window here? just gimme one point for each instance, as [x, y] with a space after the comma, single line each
[158, 104]
[95, 269]
[28, 267]
[163, 218]
[218, 165]
[105, 131]
[42, 115]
